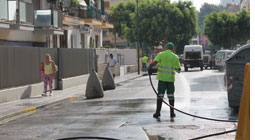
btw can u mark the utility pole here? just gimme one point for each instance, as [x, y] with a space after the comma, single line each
[114, 18]
[138, 41]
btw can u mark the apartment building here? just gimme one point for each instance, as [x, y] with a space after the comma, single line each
[53, 23]
[226, 2]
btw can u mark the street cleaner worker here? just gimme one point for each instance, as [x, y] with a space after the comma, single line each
[168, 65]
[144, 60]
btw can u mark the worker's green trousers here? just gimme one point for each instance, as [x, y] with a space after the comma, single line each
[166, 86]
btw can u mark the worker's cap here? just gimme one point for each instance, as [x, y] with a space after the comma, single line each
[170, 45]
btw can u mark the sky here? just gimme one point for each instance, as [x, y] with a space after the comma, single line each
[199, 3]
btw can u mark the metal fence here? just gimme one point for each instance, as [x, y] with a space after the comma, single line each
[74, 62]
[21, 65]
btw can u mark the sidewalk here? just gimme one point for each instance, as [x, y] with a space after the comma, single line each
[15, 108]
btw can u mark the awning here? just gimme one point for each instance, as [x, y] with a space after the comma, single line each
[82, 3]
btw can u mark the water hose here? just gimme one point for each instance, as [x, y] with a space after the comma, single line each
[215, 134]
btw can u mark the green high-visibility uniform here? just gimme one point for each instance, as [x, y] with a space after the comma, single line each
[168, 65]
[145, 59]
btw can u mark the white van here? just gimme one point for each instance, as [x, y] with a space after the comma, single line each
[193, 56]
[220, 59]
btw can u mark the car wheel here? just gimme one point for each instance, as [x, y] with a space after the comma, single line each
[186, 68]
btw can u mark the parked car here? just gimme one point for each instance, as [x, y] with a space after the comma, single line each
[235, 68]
[193, 56]
[220, 58]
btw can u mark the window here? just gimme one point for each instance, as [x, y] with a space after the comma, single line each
[22, 13]
[193, 55]
[229, 54]
[12, 10]
[3, 9]
[105, 34]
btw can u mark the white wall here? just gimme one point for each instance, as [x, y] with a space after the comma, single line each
[130, 55]
[76, 38]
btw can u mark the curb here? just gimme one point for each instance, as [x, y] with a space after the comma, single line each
[132, 78]
[34, 108]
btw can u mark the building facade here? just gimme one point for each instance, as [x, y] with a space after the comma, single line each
[109, 37]
[226, 2]
[245, 4]
[53, 23]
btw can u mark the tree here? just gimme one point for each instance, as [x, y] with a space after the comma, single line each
[205, 10]
[227, 29]
[243, 22]
[122, 14]
[159, 22]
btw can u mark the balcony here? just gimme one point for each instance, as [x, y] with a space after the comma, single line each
[91, 16]
[48, 22]
[23, 20]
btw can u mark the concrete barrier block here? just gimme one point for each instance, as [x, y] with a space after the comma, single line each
[94, 88]
[107, 81]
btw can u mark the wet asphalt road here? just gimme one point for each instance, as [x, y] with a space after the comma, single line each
[126, 113]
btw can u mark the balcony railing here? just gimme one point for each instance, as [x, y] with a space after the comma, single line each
[90, 12]
[93, 13]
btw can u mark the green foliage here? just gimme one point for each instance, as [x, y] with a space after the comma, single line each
[159, 22]
[75, 1]
[205, 10]
[122, 14]
[107, 46]
[226, 29]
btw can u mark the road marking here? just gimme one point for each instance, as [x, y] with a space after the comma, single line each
[73, 97]
[30, 109]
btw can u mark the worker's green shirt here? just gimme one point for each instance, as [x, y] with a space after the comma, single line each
[168, 65]
[145, 59]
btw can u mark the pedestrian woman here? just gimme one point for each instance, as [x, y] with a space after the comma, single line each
[48, 69]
